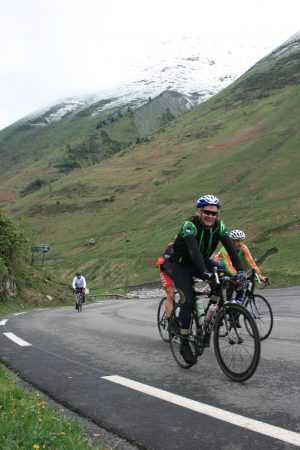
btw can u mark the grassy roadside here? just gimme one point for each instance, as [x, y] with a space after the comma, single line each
[27, 422]
[22, 303]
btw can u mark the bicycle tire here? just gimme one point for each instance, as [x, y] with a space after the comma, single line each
[176, 341]
[79, 302]
[162, 321]
[259, 313]
[237, 335]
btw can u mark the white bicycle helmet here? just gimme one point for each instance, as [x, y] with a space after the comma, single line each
[237, 235]
[208, 200]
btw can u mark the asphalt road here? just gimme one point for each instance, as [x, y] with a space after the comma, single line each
[67, 354]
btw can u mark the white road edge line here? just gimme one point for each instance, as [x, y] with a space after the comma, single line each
[17, 340]
[235, 419]
[3, 322]
[20, 313]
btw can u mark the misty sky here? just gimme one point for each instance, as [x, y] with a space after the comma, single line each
[50, 50]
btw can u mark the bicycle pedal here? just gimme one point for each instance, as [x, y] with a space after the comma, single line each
[173, 327]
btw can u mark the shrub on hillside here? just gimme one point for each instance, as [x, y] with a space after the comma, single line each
[34, 186]
[12, 247]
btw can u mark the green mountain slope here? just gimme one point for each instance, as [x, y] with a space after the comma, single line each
[82, 137]
[242, 145]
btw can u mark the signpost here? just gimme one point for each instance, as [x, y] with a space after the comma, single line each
[40, 249]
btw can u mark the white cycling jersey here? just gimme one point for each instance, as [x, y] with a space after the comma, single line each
[79, 282]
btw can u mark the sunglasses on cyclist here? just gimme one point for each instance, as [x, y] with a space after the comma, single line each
[210, 213]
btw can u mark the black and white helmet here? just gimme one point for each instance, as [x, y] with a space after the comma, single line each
[237, 235]
[208, 200]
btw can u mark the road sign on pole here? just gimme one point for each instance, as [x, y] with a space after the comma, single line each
[41, 249]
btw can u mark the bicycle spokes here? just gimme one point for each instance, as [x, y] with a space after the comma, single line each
[261, 311]
[162, 321]
[238, 349]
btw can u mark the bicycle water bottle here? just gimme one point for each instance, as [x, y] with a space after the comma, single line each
[199, 308]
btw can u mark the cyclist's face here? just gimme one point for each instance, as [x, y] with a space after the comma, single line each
[209, 215]
[238, 244]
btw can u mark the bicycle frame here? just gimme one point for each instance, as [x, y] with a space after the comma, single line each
[252, 279]
[79, 298]
[218, 287]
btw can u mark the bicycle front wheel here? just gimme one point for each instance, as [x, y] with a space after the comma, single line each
[79, 303]
[162, 321]
[262, 313]
[237, 350]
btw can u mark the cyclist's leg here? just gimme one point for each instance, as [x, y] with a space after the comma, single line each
[76, 299]
[239, 296]
[168, 285]
[183, 280]
[80, 297]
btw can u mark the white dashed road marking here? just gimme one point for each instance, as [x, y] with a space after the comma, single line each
[17, 340]
[235, 419]
[3, 322]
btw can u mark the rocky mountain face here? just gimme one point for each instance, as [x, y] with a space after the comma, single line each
[191, 66]
[71, 135]
[89, 128]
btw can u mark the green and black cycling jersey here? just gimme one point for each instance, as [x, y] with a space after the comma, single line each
[195, 243]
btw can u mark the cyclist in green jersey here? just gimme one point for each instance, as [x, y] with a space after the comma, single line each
[196, 241]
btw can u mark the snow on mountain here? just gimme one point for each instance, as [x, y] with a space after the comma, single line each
[187, 65]
[288, 47]
[53, 113]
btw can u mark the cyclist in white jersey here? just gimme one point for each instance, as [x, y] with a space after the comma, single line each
[79, 284]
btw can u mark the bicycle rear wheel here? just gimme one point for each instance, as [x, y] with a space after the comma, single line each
[162, 321]
[237, 351]
[177, 341]
[262, 313]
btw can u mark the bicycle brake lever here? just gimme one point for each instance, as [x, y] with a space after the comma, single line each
[216, 275]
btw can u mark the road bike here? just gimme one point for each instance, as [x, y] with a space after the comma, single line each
[78, 300]
[236, 338]
[258, 306]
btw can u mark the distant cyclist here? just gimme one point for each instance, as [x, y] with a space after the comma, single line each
[79, 285]
[196, 241]
[245, 256]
